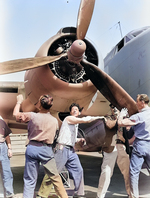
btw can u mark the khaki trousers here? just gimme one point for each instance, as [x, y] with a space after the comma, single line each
[48, 183]
[118, 154]
[52, 178]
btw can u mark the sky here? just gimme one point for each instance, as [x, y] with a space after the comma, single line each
[26, 24]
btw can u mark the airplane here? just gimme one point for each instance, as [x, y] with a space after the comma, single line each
[69, 68]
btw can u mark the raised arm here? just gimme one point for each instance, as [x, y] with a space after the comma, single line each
[20, 116]
[87, 119]
[125, 122]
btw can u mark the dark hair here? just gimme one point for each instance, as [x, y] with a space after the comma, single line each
[75, 105]
[143, 97]
[46, 101]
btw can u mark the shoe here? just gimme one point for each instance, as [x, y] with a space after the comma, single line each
[38, 196]
[50, 196]
[12, 196]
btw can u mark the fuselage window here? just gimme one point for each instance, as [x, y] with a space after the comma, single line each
[121, 44]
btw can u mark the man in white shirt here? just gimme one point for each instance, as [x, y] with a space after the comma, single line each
[65, 154]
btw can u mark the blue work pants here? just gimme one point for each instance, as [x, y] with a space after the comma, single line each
[67, 157]
[34, 155]
[6, 170]
[140, 153]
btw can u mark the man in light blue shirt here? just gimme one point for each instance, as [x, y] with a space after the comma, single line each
[141, 146]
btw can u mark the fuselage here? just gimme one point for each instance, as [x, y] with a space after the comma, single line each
[128, 63]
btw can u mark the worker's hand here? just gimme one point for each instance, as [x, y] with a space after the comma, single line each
[20, 98]
[9, 153]
[81, 141]
[123, 113]
[110, 123]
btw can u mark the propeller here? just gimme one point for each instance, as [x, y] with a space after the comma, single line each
[77, 49]
[110, 89]
[84, 17]
[27, 63]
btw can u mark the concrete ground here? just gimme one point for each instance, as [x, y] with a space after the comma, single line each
[91, 163]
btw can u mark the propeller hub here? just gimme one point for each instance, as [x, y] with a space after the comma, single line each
[76, 51]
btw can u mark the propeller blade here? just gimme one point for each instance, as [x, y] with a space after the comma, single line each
[27, 63]
[84, 17]
[110, 89]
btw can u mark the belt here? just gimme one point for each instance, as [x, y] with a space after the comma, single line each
[119, 141]
[68, 146]
[37, 143]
